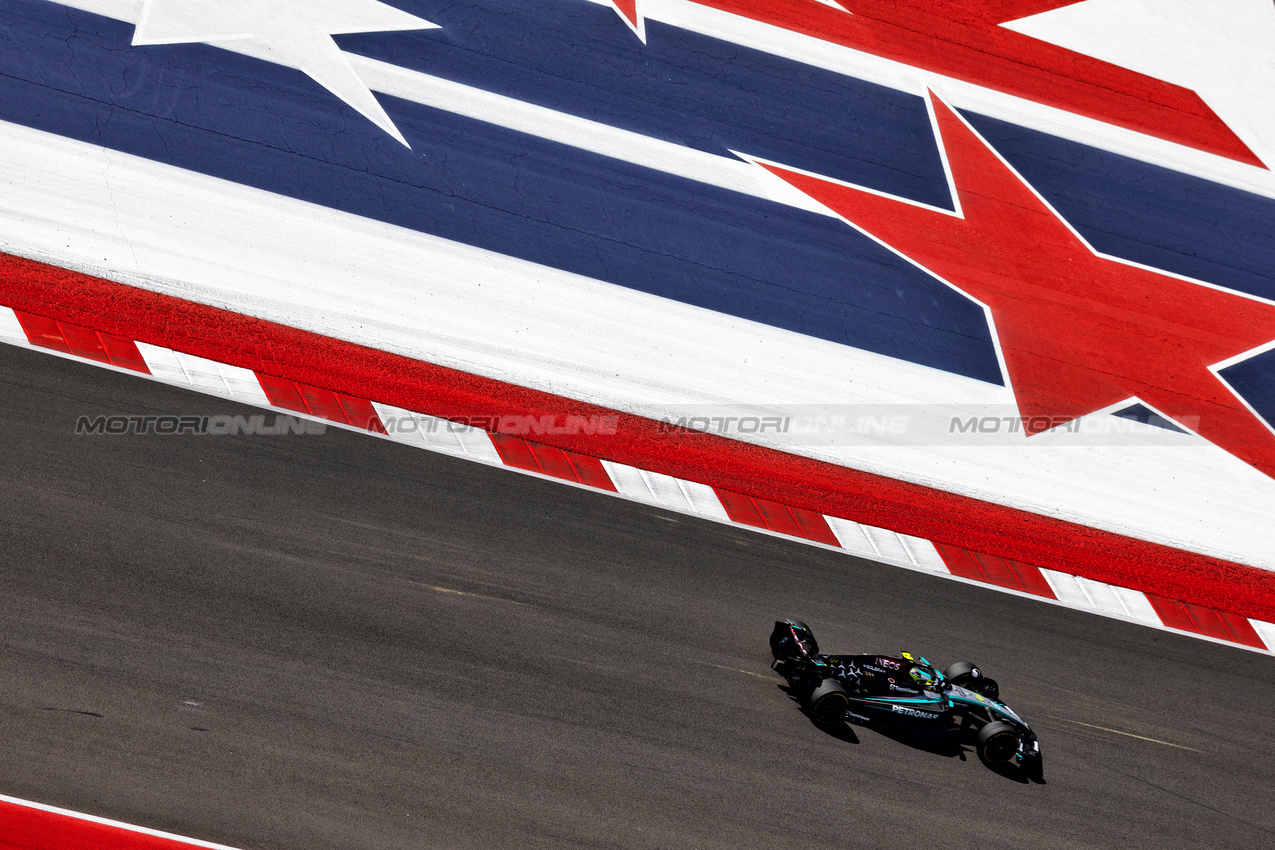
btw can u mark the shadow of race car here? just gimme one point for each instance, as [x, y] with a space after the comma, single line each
[904, 692]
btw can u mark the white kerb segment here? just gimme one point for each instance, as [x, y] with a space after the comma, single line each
[923, 553]
[852, 536]
[205, 375]
[1103, 598]
[655, 488]
[1266, 631]
[1136, 604]
[10, 329]
[888, 545]
[435, 434]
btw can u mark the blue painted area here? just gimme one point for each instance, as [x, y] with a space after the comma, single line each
[1147, 416]
[1254, 380]
[578, 57]
[255, 123]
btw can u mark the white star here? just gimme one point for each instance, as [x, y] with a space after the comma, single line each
[1223, 50]
[297, 33]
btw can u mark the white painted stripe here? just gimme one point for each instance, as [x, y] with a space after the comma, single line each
[439, 435]
[1266, 631]
[923, 553]
[163, 364]
[203, 374]
[1136, 605]
[1101, 597]
[207, 376]
[242, 384]
[128, 827]
[852, 537]
[11, 329]
[1066, 589]
[888, 544]
[655, 488]
[702, 499]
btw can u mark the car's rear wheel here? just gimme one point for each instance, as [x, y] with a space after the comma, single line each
[967, 675]
[963, 673]
[997, 742]
[828, 702]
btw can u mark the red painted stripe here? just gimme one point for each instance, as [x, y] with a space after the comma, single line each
[322, 403]
[589, 470]
[1222, 625]
[42, 331]
[123, 353]
[1001, 572]
[813, 526]
[741, 508]
[1031, 580]
[85, 343]
[963, 39]
[515, 452]
[26, 828]
[1172, 613]
[549, 460]
[82, 342]
[360, 413]
[945, 518]
[552, 461]
[282, 393]
[996, 570]
[316, 401]
[960, 562]
[778, 517]
[1242, 630]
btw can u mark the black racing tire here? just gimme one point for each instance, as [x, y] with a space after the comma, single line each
[964, 674]
[997, 742]
[828, 702]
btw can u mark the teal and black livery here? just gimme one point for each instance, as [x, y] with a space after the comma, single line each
[904, 691]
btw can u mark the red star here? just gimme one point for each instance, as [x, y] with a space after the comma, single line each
[1078, 332]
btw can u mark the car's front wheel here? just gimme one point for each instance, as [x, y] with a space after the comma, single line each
[828, 702]
[997, 742]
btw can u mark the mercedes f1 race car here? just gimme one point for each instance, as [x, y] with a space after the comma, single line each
[904, 691]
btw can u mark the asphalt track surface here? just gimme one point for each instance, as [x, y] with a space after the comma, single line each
[334, 641]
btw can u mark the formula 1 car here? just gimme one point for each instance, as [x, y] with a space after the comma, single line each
[903, 691]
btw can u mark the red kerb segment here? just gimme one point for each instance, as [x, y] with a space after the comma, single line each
[81, 342]
[1222, 625]
[27, 828]
[774, 516]
[560, 463]
[316, 401]
[991, 569]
